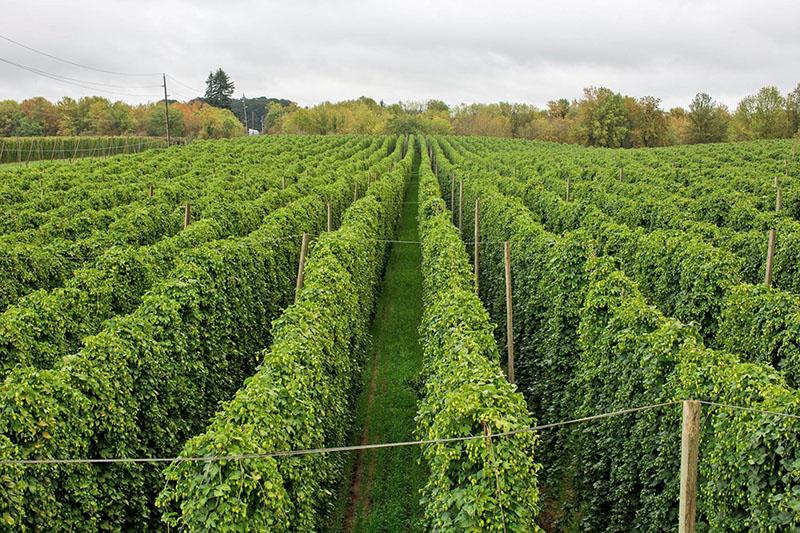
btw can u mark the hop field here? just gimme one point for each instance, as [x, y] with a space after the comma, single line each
[207, 337]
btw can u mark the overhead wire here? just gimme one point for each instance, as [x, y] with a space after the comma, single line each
[69, 81]
[67, 61]
[86, 84]
[179, 82]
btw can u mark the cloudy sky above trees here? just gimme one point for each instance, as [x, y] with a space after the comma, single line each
[458, 51]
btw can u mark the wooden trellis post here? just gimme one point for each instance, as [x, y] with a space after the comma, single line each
[778, 200]
[770, 258]
[509, 313]
[690, 447]
[569, 189]
[330, 217]
[355, 191]
[150, 191]
[460, 207]
[453, 195]
[187, 215]
[301, 266]
[476, 251]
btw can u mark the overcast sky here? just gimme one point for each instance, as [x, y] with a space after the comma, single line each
[457, 51]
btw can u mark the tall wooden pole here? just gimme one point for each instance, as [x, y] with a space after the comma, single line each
[187, 215]
[509, 313]
[461, 207]
[453, 195]
[770, 258]
[690, 448]
[330, 217]
[150, 190]
[778, 200]
[301, 266]
[476, 251]
[166, 110]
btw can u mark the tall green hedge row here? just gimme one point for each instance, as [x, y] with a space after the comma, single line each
[51, 195]
[475, 485]
[150, 380]
[73, 188]
[685, 277]
[302, 394]
[23, 149]
[588, 342]
[695, 282]
[27, 267]
[730, 185]
[48, 262]
[729, 203]
[47, 324]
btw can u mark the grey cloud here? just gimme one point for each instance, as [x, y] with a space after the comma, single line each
[459, 51]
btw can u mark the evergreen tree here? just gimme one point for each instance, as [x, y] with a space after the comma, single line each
[219, 89]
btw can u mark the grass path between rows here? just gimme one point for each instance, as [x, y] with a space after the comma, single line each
[381, 491]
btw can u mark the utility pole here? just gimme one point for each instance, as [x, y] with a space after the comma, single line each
[166, 109]
[244, 104]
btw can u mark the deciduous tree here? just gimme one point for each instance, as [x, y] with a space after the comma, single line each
[708, 121]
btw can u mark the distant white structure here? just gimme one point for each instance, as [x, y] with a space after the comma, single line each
[251, 131]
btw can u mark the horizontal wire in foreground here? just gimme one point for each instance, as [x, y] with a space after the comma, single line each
[751, 409]
[291, 453]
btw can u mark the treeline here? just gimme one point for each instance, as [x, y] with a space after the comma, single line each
[95, 115]
[601, 117]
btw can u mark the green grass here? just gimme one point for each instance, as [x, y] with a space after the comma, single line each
[381, 490]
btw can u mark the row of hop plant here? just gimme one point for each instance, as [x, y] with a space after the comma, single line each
[150, 380]
[303, 393]
[41, 327]
[732, 208]
[54, 194]
[45, 242]
[47, 255]
[26, 149]
[688, 278]
[588, 342]
[728, 185]
[486, 484]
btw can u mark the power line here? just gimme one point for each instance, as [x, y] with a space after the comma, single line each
[76, 64]
[179, 82]
[69, 81]
[76, 80]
